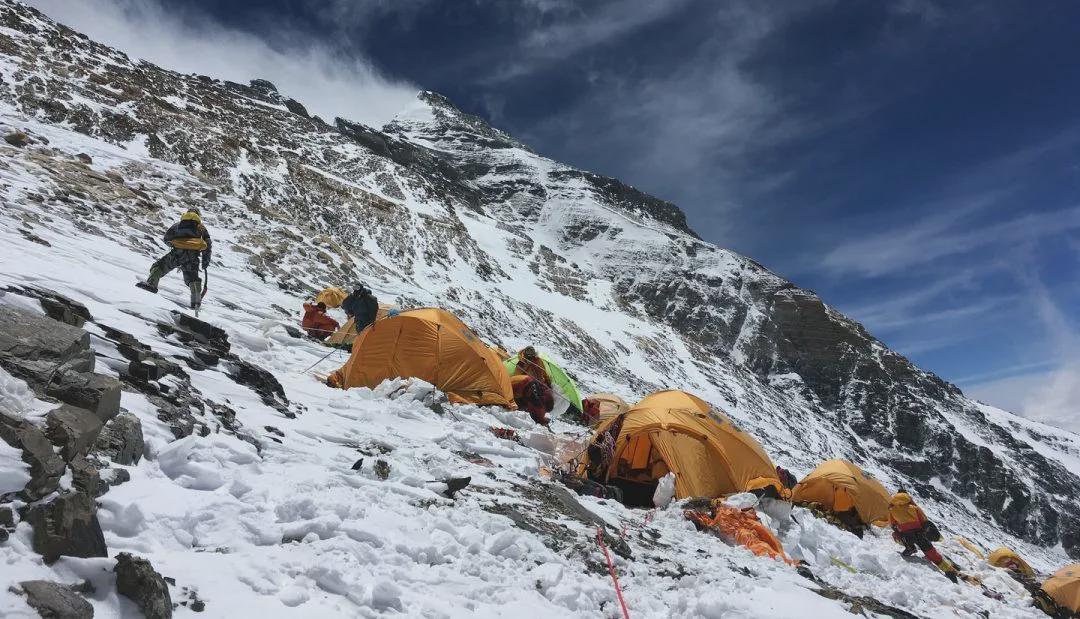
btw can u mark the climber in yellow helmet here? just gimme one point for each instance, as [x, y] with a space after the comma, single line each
[190, 241]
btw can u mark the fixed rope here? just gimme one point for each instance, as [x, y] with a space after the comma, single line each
[611, 570]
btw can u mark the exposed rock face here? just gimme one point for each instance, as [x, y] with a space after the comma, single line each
[138, 581]
[121, 440]
[55, 359]
[73, 430]
[56, 601]
[45, 466]
[67, 526]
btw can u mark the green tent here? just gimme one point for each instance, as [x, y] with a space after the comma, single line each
[561, 381]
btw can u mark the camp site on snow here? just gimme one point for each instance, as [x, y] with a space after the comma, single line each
[258, 362]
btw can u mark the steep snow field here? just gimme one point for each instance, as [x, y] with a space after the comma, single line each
[294, 529]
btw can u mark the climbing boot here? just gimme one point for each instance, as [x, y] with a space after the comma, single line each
[196, 294]
[949, 569]
[151, 282]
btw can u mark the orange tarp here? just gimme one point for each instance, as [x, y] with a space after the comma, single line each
[432, 345]
[742, 527]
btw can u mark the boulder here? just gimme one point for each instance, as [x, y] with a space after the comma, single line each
[73, 430]
[17, 138]
[189, 328]
[296, 107]
[46, 467]
[53, 600]
[86, 478]
[56, 305]
[67, 526]
[84, 158]
[95, 392]
[121, 440]
[137, 580]
[33, 346]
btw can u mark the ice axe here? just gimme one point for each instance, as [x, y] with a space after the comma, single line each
[205, 282]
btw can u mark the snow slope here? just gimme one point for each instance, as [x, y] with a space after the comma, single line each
[438, 208]
[291, 529]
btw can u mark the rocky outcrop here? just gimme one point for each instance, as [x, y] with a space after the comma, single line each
[137, 580]
[46, 467]
[56, 361]
[121, 440]
[66, 526]
[73, 430]
[56, 601]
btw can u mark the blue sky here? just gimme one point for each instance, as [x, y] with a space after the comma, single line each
[917, 163]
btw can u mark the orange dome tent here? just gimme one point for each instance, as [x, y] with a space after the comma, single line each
[332, 296]
[835, 480]
[1008, 559]
[610, 405]
[432, 345]
[673, 431]
[1064, 588]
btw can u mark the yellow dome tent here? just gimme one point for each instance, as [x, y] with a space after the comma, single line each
[833, 479]
[673, 431]
[332, 296]
[610, 405]
[345, 334]
[432, 345]
[1006, 558]
[1064, 587]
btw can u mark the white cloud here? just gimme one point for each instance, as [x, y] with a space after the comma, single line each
[327, 81]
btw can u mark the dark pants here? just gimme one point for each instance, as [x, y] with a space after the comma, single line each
[186, 260]
[917, 539]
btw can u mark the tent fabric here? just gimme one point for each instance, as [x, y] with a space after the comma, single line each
[1005, 557]
[559, 378]
[1064, 587]
[742, 528]
[332, 296]
[673, 431]
[345, 335]
[610, 405]
[971, 547]
[432, 345]
[837, 484]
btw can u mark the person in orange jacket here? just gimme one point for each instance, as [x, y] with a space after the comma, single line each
[909, 524]
[317, 324]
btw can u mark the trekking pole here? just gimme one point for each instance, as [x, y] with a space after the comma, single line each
[206, 282]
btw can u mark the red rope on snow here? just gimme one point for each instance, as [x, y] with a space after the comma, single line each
[611, 570]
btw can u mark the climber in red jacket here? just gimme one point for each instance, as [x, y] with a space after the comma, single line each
[317, 324]
[533, 397]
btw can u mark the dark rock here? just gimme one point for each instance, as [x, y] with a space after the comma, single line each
[17, 138]
[4, 535]
[33, 346]
[382, 469]
[56, 305]
[7, 517]
[56, 601]
[264, 85]
[115, 477]
[46, 467]
[294, 332]
[203, 332]
[144, 371]
[121, 440]
[73, 430]
[137, 580]
[258, 380]
[67, 526]
[83, 157]
[359, 464]
[86, 478]
[95, 392]
[296, 107]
